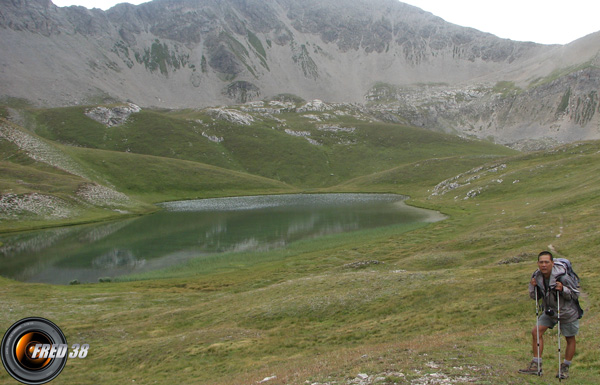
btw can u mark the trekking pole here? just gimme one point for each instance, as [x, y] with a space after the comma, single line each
[558, 311]
[537, 328]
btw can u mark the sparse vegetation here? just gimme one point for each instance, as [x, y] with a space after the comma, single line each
[382, 92]
[14, 102]
[203, 65]
[559, 73]
[506, 89]
[564, 102]
[238, 49]
[288, 98]
[258, 47]
[160, 57]
[585, 108]
[302, 58]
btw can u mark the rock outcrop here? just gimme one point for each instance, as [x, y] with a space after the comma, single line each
[112, 116]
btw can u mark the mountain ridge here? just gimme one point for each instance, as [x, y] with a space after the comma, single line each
[190, 54]
[308, 46]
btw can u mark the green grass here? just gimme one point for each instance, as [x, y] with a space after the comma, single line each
[264, 148]
[413, 178]
[442, 302]
[154, 179]
[144, 133]
[258, 48]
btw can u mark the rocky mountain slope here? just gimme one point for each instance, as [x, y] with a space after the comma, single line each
[184, 53]
[553, 112]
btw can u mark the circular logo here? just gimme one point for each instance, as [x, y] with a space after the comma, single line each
[29, 351]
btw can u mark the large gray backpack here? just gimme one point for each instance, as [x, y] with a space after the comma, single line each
[568, 267]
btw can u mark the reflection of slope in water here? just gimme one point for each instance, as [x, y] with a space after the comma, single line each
[254, 244]
[215, 246]
[316, 226]
[38, 241]
[246, 245]
[337, 228]
[22, 252]
[111, 265]
[213, 236]
[124, 264]
[303, 225]
[97, 233]
[117, 258]
[34, 251]
[216, 229]
[31, 242]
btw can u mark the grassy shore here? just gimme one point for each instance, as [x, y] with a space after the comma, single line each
[448, 303]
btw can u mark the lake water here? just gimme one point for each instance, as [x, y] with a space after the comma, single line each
[190, 229]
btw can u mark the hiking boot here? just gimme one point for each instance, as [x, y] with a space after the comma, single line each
[532, 369]
[564, 372]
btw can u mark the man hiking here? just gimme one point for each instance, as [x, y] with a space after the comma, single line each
[548, 282]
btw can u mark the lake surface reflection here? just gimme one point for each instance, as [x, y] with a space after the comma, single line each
[190, 229]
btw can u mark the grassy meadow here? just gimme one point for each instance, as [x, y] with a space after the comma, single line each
[448, 303]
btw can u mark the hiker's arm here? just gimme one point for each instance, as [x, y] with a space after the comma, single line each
[532, 285]
[567, 289]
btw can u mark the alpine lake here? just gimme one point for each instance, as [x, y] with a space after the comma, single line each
[186, 230]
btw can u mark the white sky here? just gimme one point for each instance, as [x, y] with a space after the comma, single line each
[541, 21]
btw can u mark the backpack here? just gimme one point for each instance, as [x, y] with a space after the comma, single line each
[566, 264]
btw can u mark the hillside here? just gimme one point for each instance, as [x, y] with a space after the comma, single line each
[448, 304]
[121, 159]
[44, 183]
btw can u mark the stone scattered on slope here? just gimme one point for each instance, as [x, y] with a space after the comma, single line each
[112, 116]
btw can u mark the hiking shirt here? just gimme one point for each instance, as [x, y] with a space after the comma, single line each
[546, 290]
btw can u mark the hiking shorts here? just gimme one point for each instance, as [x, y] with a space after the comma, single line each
[567, 329]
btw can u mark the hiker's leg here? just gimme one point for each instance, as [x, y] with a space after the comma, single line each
[534, 345]
[570, 352]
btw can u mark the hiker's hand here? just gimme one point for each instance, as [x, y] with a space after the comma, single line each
[533, 282]
[559, 286]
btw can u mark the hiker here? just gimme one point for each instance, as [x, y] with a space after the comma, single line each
[552, 279]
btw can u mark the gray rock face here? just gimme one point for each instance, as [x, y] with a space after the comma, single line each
[556, 111]
[242, 91]
[152, 53]
[190, 53]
